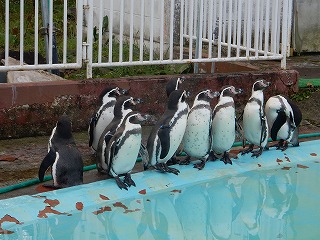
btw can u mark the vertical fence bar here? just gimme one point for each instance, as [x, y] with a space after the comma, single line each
[142, 31]
[185, 20]
[181, 29]
[266, 31]
[262, 6]
[121, 31]
[274, 26]
[278, 25]
[244, 41]
[190, 28]
[6, 54]
[131, 32]
[239, 21]
[36, 31]
[199, 37]
[205, 19]
[79, 27]
[101, 7]
[284, 34]
[214, 20]
[210, 20]
[21, 30]
[171, 28]
[110, 31]
[151, 30]
[50, 31]
[256, 25]
[89, 39]
[229, 28]
[289, 27]
[220, 28]
[249, 28]
[234, 36]
[65, 30]
[224, 20]
[161, 29]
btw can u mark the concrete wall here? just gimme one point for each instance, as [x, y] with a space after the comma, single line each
[30, 109]
[306, 34]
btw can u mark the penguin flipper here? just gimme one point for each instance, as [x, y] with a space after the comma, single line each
[46, 163]
[109, 150]
[144, 154]
[278, 123]
[93, 123]
[164, 136]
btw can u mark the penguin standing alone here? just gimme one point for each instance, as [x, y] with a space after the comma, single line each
[224, 123]
[167, 133]
[197, 138]
[255, 124]
[122, 150]
[122, 107]
[103, 117]
[63, 156]
[284, 118]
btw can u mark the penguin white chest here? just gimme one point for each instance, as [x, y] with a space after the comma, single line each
[223, 129]
[125, 158]
[196, 139]
[253, 124]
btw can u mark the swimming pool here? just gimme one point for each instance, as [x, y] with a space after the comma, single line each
[273, 197]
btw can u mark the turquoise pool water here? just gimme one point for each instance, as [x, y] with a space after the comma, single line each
[279, 201]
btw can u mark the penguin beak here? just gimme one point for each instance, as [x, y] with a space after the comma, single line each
[239, 91]
[137, 101]
[123, 91]
[212, 94]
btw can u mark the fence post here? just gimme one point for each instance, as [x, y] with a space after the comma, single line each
[88, 12]
[284, 34]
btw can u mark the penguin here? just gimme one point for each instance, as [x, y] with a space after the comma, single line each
[123, 106]
[167, 133]
[224, 123]
[284, 118]
[63, 157]
[173, 84]
[103, 117]
[122, 149]
[197, 137]
[255, 124]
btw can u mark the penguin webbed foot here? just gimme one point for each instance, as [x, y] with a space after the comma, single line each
[120, 184]
[163, 167]
[172, 161]
[185, 161]
[257, 153]
[128, 180]
[281, 145]
[247, 150]
[200, 165]
[226, 158]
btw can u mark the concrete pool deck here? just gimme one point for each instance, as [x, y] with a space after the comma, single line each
[101, 196]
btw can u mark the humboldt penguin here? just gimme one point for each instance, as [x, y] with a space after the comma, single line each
[168, 132]
[123, 106]
[224, 123]
[122, 149]
[284, 118]
[197, 138]
[63, 156]
[255, 124]
[103, 117]
[173, 84]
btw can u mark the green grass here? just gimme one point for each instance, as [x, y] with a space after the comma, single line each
[111, 72]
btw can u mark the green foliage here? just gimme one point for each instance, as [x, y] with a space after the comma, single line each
[304, 93]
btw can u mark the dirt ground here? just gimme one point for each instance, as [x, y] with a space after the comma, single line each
[20, 158]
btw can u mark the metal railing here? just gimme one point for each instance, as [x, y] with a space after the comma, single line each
[144, 32]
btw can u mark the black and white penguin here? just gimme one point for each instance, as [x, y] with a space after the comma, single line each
[255, 124]
[122, 149]
[123, 106]
[168, 132]
[173, 84]
[103, 117]
[197, 137]
[63, 157]
[284, 118]
[224, 123]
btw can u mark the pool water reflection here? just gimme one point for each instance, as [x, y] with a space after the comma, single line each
[281, 203]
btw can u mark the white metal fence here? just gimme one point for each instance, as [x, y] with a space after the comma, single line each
[141, 32]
